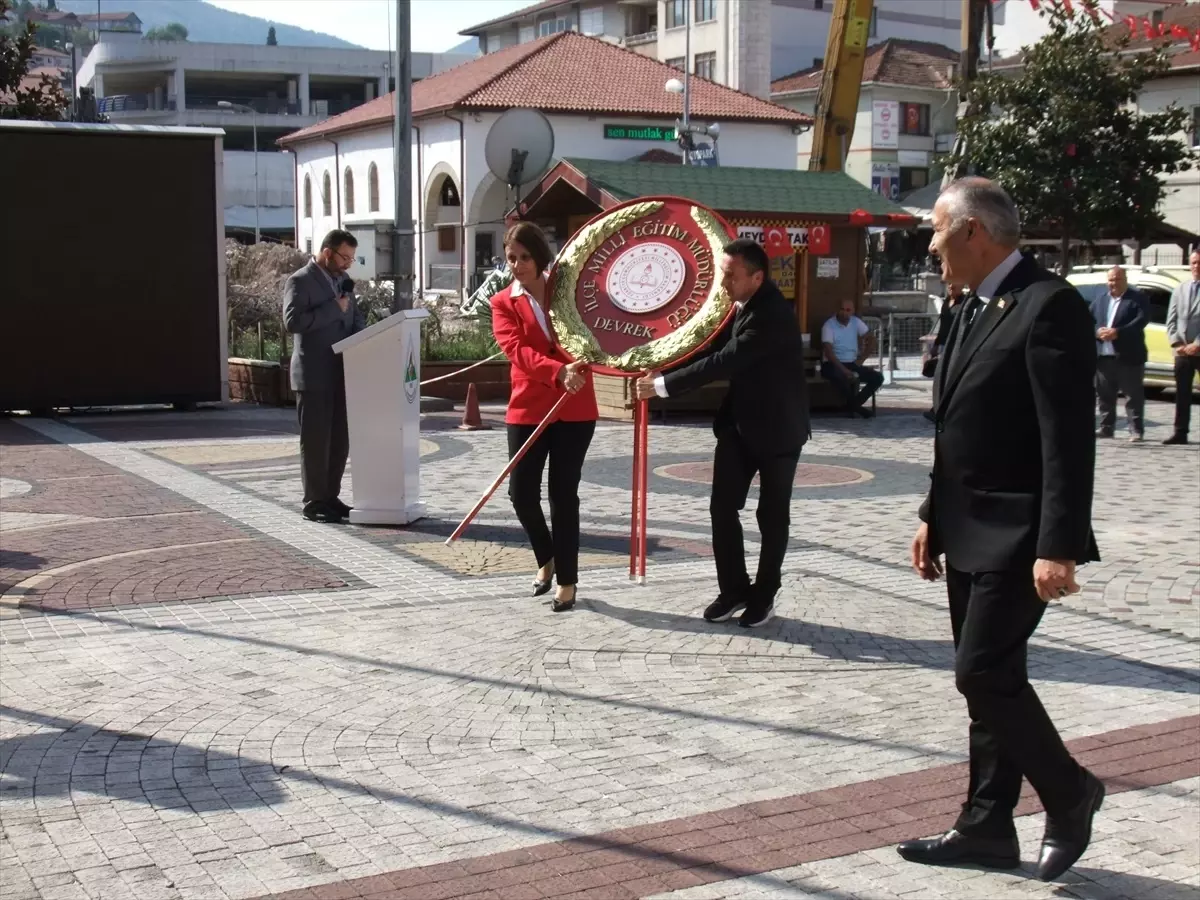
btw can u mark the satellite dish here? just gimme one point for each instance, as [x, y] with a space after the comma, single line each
[519, 147]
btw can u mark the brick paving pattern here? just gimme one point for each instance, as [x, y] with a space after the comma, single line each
[205, 696]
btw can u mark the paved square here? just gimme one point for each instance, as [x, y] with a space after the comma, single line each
[206, 696]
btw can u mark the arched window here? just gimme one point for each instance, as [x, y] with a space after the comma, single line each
[348, 189]
[372, 188]
[326, 196]
[449, 193]
[307, 197]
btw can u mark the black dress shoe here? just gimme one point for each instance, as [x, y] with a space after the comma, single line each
[1067, 836]
[956, 849]
[340, 508]
[723, 608]
[320, 511]
[1176, 439]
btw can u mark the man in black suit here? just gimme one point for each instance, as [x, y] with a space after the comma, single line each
[761, 426]
[319, 309]
[1010, 507]
[1120, 321]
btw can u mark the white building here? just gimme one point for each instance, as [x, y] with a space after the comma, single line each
[1017, 24]
[906, 114]
[732, 42]
[274, 90]
[593, 93]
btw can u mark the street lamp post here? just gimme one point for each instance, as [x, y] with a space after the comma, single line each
[225, 104]
[74, 88]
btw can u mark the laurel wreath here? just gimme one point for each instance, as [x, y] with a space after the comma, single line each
[577, 339]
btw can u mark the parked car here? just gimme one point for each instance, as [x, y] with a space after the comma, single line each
[1157, 283]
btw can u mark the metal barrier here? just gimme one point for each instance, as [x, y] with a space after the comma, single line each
[445, 278]
[906, 337]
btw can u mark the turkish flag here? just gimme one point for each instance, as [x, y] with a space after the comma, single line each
[776, 241]
[818, 240]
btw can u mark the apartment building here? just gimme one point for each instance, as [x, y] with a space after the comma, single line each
[743, 44]
[906, 114]
[248, 90]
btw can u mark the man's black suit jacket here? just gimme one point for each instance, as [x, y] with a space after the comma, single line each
[1015, 444]
[761, 353]
[1130, 322]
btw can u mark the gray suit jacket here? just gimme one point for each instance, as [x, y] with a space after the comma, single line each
[1183, 314]
[312, 314]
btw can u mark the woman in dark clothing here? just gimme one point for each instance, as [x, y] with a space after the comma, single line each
[541, 373]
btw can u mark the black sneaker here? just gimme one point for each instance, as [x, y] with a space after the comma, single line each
[757, 615]
[723, 609]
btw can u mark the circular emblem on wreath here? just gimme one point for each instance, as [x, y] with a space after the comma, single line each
[645, 278]
[638, 288]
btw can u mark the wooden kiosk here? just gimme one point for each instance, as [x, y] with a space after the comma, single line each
[757, 203]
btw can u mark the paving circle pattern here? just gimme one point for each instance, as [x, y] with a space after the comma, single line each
[817, 477]
[807, 474]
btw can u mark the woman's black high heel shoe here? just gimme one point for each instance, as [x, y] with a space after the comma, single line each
[564, 605]
[541, 587]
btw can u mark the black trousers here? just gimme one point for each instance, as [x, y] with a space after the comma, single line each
[324, 442]
[565, 444]
[1112, 375]
[1186, 368]
[869, 381]
[993, 615]
[734, 468]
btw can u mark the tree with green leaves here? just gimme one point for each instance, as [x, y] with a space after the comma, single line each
[172, 31]
[44, 101]
[1063, 134]
[272, 41]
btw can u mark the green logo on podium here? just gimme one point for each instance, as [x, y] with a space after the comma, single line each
[411, 384]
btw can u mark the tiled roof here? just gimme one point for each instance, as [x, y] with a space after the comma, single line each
[733, 188]
[542, 7]
[568, 73]
[894, 61]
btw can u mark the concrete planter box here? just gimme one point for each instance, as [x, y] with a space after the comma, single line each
[260, 381]
[491, 380]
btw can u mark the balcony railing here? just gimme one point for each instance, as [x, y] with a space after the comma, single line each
[646, 37]
[119, 103]
[264, 106]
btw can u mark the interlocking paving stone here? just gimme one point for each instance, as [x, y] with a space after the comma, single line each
[301, 739]
[757, 838]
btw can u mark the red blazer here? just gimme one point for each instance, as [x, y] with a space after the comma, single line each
[536, 363]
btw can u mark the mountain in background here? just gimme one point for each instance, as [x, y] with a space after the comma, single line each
[470, 45]
[206, 23]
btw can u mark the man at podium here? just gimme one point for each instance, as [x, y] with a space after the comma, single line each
[319, 309]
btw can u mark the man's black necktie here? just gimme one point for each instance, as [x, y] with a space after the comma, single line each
[971, 313]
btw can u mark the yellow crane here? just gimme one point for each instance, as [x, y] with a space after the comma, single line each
[837, 103]
[845, 55]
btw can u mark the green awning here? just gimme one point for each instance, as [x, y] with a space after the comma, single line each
[738, 189]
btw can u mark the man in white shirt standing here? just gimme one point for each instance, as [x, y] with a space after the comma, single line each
[847, 342]
[1120, 317]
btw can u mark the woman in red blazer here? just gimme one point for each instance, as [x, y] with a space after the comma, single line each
[540, 372]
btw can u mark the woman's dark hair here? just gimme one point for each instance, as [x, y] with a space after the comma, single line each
[532, 239]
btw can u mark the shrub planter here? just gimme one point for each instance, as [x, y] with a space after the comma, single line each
[490, 380]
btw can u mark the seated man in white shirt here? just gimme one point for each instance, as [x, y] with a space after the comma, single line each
[847, 341]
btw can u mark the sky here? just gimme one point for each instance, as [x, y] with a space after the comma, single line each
[435, 23]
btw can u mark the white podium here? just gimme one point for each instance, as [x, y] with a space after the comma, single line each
[383, 408]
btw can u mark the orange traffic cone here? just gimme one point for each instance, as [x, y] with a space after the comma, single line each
[471, 420]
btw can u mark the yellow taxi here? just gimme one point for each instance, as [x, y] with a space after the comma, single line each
[1157, 283]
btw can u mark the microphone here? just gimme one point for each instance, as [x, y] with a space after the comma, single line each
[348, 286]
